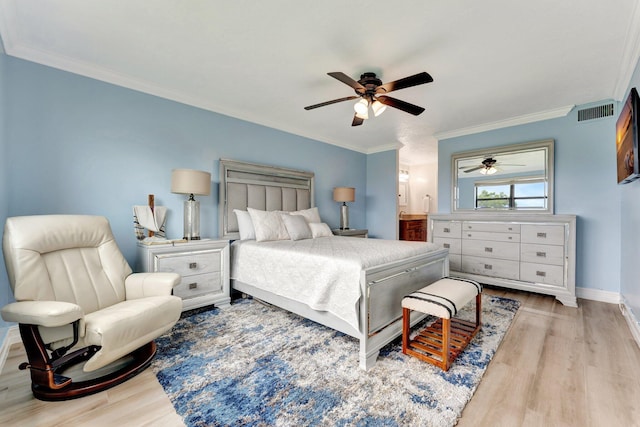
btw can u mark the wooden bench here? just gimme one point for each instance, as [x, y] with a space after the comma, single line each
[441, 342]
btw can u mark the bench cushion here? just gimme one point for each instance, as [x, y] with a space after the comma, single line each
[444, 297]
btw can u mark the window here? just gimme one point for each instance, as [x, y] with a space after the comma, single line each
[523, 194]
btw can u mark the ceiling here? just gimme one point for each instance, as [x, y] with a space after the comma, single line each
[494, 63]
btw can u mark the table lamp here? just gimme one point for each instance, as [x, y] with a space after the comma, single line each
[344, 195]
[190, 181]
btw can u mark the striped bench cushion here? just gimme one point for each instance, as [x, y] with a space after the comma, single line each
[444, 297]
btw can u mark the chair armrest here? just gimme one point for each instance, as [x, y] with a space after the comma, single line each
[42, 313]
[141, 285]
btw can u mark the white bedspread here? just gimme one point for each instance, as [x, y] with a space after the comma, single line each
[323, 273]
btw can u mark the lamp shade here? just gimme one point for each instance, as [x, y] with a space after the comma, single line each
[190, 181]
[344, 194]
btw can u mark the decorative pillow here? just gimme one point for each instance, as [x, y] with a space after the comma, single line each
[245, 225]
[311, 215]
[320, 229]
[297, 226]
[268, 225]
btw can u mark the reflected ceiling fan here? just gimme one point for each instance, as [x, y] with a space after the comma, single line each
[487, 167]
[372, 93]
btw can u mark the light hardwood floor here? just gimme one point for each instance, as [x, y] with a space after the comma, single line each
[557, 366]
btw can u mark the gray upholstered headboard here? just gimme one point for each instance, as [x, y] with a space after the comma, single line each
[262, 187]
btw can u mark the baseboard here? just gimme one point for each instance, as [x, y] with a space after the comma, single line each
[12, 337]
[598, 295]
[634, 325]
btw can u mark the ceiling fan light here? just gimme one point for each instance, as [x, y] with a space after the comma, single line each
[361, 108]
[378, 107]
[491, 170]
[364, 116]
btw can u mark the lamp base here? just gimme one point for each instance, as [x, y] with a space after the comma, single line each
[191, 219]
[344, 216]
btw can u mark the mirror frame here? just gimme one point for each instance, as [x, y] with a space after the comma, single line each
[547, 144]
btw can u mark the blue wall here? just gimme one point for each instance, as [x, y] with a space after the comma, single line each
[71, 144]
[5, 291]
[382, 187]
[630, 233]
[585, 185]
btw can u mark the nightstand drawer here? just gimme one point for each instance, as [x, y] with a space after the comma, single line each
[192, 286]
[189, 263]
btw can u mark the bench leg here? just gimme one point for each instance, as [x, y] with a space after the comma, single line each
[406, 326]
[446, 330]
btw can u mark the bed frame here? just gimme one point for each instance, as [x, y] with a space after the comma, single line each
[382, 287]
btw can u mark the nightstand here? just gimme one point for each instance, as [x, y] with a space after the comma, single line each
[351, 232]
[203, 265]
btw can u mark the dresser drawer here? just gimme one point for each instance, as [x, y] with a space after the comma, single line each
[491, 227]
[447, 229]
[542, 254]
[489, 249]
[189, 263]
[493, 236]
[198, 284]
[543, 234]
[542, 273]
[455, 262]
[491, 267]
[454, 245]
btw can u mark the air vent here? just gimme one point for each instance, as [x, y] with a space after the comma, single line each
[598, 112]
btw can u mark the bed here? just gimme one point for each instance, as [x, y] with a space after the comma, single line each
[358, 296]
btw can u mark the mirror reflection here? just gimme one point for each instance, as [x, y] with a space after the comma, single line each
[508, 178]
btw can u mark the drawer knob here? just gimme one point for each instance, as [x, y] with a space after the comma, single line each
[488, 267]
[193, 285]
[193, 265]
[541, 254]
[541, 273]
[446, 245]
[446, 230]
[488, 249]
[542, 235]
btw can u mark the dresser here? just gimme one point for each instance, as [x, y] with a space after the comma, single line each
[203, 265]
[528, 252]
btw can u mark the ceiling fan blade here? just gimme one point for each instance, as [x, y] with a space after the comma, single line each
[401, 105]
[473, 169]
[322, 104]
[417, 79]
[357, 121]
[347, 80]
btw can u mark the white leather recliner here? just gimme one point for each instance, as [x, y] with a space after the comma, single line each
[77, 300]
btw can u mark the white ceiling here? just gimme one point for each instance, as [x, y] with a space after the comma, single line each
[494, 62]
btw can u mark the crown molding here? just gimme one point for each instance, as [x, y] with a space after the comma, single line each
[630, 56]
[514, 121]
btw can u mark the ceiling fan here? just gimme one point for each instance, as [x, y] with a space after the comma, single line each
[487, 167]
[371, 92]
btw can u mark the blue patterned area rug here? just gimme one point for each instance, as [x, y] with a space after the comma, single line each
[252, 364]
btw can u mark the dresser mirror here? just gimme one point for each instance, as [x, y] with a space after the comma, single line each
[511, 178]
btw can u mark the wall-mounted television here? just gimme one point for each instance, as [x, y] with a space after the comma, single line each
[627, 139]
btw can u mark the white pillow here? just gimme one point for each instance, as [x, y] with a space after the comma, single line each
[311, 215]
[296, 227]
[268, 225]
[320, 229]
[245, 225]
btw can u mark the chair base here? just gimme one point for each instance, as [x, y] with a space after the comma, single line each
[142, 358]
